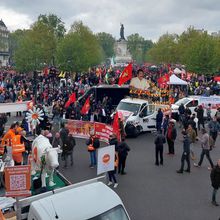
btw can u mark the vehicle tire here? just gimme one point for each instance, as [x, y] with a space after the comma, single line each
[136, 132]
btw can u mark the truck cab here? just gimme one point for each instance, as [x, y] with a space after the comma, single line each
[94, 201]
[139, 115]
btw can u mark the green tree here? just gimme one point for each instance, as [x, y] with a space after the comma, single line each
[165, 50]
[79, 49]
[54, 23]
[36, 48]
[107, 42]
[138, 47]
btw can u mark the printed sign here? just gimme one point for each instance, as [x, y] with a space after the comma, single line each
[18, 181]
[213, 100]
[106, 159]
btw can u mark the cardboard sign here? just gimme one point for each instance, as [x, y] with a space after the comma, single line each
[106, 159]
[18, 181]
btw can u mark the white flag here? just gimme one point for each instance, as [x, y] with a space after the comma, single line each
[106, 159]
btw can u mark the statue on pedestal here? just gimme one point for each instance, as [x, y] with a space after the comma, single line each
[122, 37]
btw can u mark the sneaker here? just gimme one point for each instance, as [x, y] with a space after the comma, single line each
[196, 165]
[115, 185]
[215, 203]
[110, 183]
[188, 171]
[209, 168]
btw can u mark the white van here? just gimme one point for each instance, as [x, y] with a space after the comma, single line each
[139, 115]
[94, 201]
[194, 101]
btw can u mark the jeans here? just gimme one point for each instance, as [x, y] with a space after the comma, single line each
[111, 176]
[205, 152]
[159, 152]
[66, 155]
[185, 157]
[214, 194]
[92, 158]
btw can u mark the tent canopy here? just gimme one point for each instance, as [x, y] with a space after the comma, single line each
[177, 71]
[174, 80]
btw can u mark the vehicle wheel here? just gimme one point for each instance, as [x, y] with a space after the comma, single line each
[136, 131]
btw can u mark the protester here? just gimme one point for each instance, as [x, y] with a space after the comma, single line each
[205, 149]
[192, 137]
[200, 116]
[214, 128]
[68, 147]
[159, 119]
[159, 141]
[171, 136]
[165, 124]
[185, 154]
[122, 150]
[93, 144]
[111, 174]
[215, 181]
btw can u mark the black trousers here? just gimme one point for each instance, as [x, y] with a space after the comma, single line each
[159, 153]
[185, 157]
[121, 164]
[201, 122]
[205, 152]
[170, 146]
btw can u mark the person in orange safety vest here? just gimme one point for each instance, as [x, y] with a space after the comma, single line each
[18, 148]
[7, 138]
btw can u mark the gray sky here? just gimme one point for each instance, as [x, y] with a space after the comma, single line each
[150, 19]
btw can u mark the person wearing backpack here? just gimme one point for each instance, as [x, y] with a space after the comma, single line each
[93, 144]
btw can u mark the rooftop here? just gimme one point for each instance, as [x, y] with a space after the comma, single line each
[2, 23]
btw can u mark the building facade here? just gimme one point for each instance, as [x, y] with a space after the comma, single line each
[4, 44]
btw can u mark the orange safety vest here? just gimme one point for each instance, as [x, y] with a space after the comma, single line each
[7, 138]
[17, 146]
[90, 146]
[116, 159]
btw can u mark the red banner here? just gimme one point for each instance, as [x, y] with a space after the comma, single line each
[82, 129]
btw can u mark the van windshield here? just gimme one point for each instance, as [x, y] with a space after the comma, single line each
[131, 107]
[116, 213]
[182, 101]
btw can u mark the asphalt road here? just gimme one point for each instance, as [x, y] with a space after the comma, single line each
[151, 192]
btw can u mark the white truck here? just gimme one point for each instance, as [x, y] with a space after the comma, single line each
[88, 200]
[194, 101]
[139, 115]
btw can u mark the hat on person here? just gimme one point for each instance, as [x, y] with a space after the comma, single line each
[173, 121]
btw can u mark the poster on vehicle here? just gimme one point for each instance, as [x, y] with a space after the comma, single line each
[213, 100]
[82, 129]
[18, 181]
[106, 159]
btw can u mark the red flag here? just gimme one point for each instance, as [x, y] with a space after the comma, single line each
[71, 100]
[86, 107]
[217, 78]
[115, 125]
[163, 79]
[125, 75]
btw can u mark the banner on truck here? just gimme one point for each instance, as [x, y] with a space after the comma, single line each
[15, 106]
[214, 101]
[82, 129]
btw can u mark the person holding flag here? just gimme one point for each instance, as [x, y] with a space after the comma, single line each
[139, 82]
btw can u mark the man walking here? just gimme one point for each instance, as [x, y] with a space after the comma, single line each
[159, 141]
[186, 153]
[205, 149]
[214, 128]
[215, 180]
[159, 119]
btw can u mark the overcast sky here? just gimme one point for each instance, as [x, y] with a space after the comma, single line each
[149, 18]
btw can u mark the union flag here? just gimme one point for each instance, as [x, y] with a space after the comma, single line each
[71, 100]
[125, 75]
[86, 107]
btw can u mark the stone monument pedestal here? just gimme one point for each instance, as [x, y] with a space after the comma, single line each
[122, 55]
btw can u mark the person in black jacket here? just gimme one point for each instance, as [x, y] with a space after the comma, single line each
[113, 141]
[159, 119]
[200, 116]
[159, 141]
[215, 180]
[122, 149]
[68, 147]
[186, 153]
